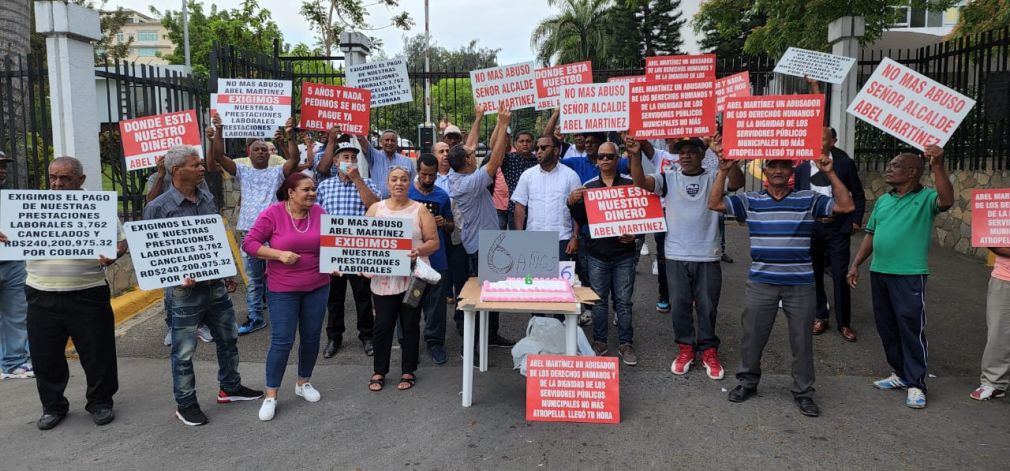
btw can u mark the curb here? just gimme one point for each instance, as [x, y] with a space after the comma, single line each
[125, 307]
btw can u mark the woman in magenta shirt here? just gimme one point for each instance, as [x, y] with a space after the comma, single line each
[296, 291]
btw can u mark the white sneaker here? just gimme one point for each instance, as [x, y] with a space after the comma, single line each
[203, 333]
[168, 338]
[655, 267]
[916, 398]
[267, 409]
[307, 391]
[24, 371]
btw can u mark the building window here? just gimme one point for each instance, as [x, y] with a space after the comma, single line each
[146, 51]
[147, 36]
[119, 37]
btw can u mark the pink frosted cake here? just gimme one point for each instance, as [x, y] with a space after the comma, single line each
[542, 290]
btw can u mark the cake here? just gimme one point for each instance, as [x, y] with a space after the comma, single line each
[541, 290]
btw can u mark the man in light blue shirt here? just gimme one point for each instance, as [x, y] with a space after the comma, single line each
[381, 161]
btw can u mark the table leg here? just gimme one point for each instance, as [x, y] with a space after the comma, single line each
[483, 340]
[468, 325]
[571, 339]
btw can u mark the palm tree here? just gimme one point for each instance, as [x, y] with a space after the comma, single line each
[581, 31]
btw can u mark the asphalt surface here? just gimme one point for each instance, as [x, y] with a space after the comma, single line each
[667, 421]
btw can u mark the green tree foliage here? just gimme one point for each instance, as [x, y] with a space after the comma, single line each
[725, 25]
[106, 49]
[772, 26]
[248, 27]
[580, 31]
[328, 18]
[982, 15]
[660, 22]
[466, 58]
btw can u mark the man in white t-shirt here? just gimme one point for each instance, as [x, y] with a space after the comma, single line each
[258, 184]
[541, 197]
[692, 248]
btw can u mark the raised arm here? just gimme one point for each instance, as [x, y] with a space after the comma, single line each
[501, 143]
[159, 181]
[217, 151]
[552, 123]
[735, 176]
[291, 164]
[944, 188]
[366, 149]
[326, 161]
[473, 138]
[638, 175]
[843, 200]
[716, 200]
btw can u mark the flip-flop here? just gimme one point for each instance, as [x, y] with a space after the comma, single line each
[372, 381]
[410, 382]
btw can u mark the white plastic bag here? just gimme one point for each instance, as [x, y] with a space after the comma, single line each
[424, 271]
[544, 336]
[585, 348]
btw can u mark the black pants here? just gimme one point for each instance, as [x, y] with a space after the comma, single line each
[664, 290]
[86, 317]
[899, 309]
[388, 310]
[362, 302]
[829, 245]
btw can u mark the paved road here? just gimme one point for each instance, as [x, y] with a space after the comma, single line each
[667, 421]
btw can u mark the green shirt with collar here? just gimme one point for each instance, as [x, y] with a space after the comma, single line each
[902, 226]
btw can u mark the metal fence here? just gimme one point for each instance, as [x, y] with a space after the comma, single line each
[25, 134]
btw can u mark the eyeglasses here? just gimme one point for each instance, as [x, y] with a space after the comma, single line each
[607, 156]
[545, 147]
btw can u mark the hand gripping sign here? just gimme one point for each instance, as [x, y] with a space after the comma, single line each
[145, 139]
[773, 127]
[816, 65]
[326, 106]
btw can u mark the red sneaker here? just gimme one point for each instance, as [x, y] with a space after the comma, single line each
[683, 361]
[710, 358]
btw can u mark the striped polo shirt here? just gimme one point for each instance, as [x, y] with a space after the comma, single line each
[780, 233]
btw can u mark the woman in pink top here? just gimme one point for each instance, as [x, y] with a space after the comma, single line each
[296, 291]
[388, 291]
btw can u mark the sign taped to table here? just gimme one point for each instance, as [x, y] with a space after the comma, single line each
[573, 389]
[735, 85]
[990, 218]
[551, 79]
[682, 67]
[325, 106]
[681, 108]
[369, 245]
[515, 254]
[819, 66]
[910, 106]
[595, 107]
[387, 80]
[253, 107]
[165, 251]
[625, 209]
[145, 139]
[514, 84]
[773, 127]
[58, 225]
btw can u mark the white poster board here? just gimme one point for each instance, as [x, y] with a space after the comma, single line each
[595, 107]
[252, 107]
[58, 225]
[910, 106]
[165, 251]
[819, 66]
[515, 85]
[387, 80]
[368, 245]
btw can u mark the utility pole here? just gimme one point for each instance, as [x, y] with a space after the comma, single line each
[427, 68]
[185, 34]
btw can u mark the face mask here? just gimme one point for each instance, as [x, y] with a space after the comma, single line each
[346, 167]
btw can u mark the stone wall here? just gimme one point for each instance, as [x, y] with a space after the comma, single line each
[952, 228]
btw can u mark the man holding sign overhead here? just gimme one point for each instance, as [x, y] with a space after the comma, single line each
[898, 234]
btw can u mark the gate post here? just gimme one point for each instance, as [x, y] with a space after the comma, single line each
[356, 47]
[69, 30]
[843, 35]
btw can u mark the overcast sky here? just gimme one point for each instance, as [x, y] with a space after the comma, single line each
[504, 24]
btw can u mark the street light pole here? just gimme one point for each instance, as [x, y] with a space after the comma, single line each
[185, 33]
[427, 68]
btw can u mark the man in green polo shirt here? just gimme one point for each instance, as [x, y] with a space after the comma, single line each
[898, 235]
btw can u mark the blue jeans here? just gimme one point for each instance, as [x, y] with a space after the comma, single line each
[617, 277]
[694, 287]
[433, 308]
[303, 311]
[13, 316]
[206, 303]
[255, 269]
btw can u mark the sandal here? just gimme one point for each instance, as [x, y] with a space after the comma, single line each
[408, 379]
[376, 380]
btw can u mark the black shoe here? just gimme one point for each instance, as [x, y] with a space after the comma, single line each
[331, 347]
[499, 341]
[191, 415]
[368, 347]
[103, 416]
[241, 393]
[808, 407]
[741, 393]
[49, 421]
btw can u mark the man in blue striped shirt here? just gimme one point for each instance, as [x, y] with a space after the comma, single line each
[780, 221]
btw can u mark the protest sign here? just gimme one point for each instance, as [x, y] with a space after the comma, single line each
[145, 139]
[573, 389]
[626, 209]
[731, 86]
[990, 218]
[773, 127]
[387, 80]
[595, 107]
[326, 106]
[909, 105]
[515, 254]
[360, 244]
[665, 68]
[514, 85]
[551, 79]
[819, 66]
[165, 251]
[627, 79]
[253, 107]
[683, 108]
[58, 225]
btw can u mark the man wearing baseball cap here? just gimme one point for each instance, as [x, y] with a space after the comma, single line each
[452, 135]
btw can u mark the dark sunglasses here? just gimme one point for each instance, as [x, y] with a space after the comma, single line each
[606, 156]
[549, 146]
